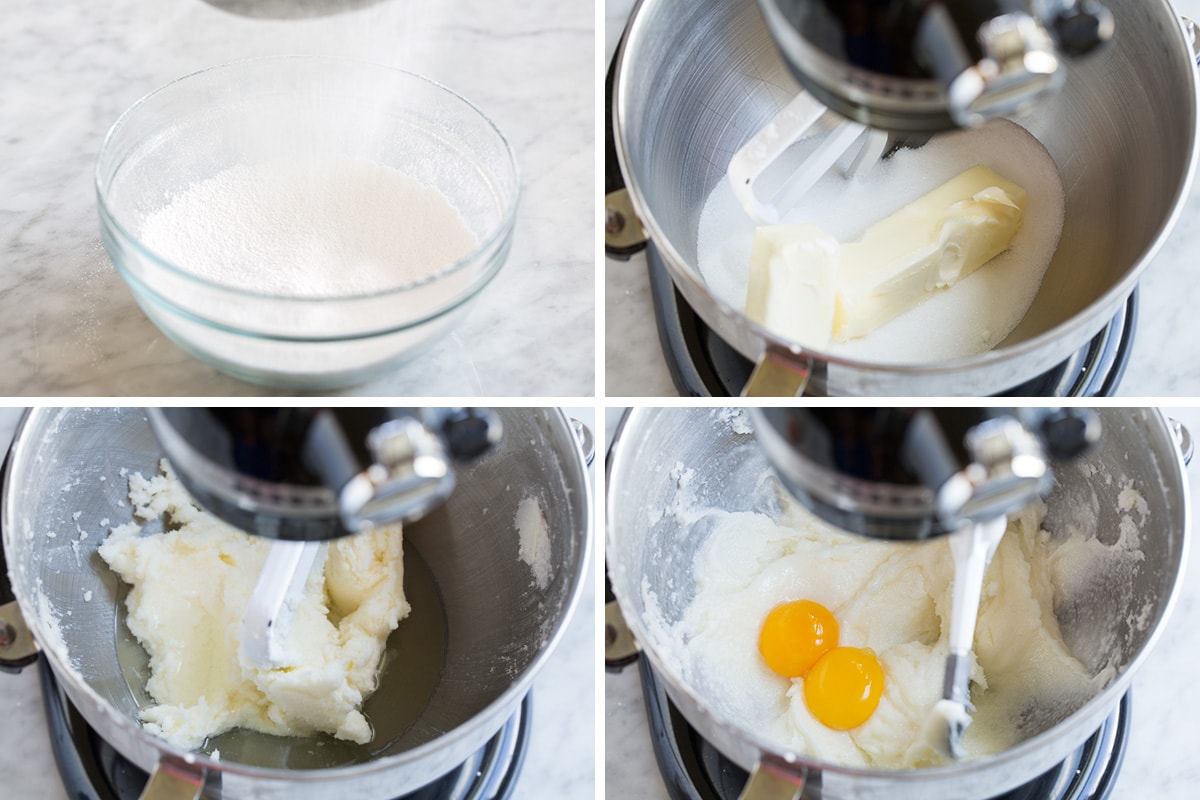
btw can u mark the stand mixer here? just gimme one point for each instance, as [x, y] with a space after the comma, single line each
[299, 476]
[453, 697]
[895, 72]
[900, 67]
[694, 82]
[714, 733]
[910, 474]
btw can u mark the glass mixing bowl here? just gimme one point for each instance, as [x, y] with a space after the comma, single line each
[251, 111]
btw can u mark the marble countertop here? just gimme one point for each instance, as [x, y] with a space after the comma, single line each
[1166, 354]
[1159, 761]
[68, 323]
[560, 762]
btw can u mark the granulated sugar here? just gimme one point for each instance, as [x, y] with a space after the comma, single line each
[974, 316]
[310, 226]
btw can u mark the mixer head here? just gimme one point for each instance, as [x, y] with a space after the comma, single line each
[916, 473]
[920, 66]
[309, 474]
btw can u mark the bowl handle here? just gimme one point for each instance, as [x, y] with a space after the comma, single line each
[623, 232]
[174, 779]
[585, 440]
[18, 649]
[620, 648]
[1192, 31]
[1183, 440]
[774, 780]
[779, 373]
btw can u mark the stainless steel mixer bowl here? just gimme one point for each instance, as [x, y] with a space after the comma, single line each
[650, 555]
[697, 78]
[499, 627]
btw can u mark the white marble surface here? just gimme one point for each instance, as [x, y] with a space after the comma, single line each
[1166, 356]
[1160, 761]
[69, 325]
[562, 752]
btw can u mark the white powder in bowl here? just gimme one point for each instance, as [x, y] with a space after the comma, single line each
[309, 226]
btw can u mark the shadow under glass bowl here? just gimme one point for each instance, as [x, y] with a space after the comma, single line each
[251, 111]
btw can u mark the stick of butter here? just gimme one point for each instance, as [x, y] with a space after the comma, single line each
[793, 282]
[929, 244]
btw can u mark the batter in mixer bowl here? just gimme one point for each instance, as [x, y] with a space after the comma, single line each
[191, 585]
[893, 598]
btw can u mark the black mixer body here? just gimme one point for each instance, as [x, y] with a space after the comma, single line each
[916, 473]
[921, 66]
[308, 474]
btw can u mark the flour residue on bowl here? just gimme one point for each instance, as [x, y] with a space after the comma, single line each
[533, 535]
[310, 226]
[52, 638]
[1096, 530]
[736, 419]
[981, 310]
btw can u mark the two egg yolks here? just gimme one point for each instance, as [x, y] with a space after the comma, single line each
[842, 685]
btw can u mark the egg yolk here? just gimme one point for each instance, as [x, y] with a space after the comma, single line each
[795, 636]
[843, 688]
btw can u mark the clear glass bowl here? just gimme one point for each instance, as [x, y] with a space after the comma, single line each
[250, 111]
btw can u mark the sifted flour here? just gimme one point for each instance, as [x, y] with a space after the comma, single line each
[311, 226]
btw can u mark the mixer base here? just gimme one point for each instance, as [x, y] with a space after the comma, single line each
[91, 768]
[704, 365]
[693, 769]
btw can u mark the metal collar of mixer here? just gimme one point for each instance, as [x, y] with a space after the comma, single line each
[917, 473]
[938, 65]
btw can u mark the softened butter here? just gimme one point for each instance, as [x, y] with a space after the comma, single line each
[928, 245]
[807, 287]
[793, 282]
